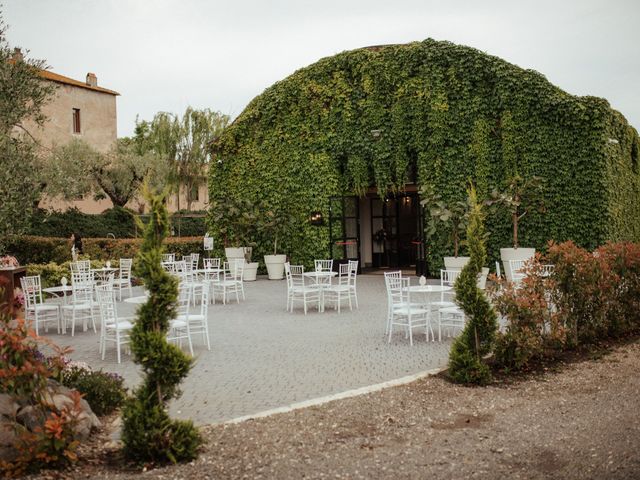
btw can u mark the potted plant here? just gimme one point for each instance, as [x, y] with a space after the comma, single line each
[519, 197]
[236, 221]
[277, 225]
[452, 215]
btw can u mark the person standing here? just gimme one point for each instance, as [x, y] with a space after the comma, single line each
[76, 246]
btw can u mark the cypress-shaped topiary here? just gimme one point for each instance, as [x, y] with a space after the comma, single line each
[476, 340]
[149, 434]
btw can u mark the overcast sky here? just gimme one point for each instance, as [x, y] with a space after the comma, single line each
[164, 55]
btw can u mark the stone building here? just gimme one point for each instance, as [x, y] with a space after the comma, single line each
[85, 111]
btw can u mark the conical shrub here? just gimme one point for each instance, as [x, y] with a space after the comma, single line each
[477, 338]
[149, 434]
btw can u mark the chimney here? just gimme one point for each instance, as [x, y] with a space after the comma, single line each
[17, 55]
[92, 80]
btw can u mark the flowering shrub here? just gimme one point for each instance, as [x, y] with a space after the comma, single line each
[18, 298]
[103, 391]
[8, 261]
[588, 296]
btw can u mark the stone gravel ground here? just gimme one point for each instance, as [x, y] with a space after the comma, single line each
[580, 422]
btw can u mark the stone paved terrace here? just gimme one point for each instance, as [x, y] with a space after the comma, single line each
[263, 357]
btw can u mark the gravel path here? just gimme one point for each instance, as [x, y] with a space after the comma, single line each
[580, 423]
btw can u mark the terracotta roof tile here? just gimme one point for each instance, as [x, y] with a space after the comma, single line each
[55, 77]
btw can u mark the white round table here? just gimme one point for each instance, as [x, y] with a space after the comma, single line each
[429, 288]
[322, 281]
[59, 291]
[139, 300]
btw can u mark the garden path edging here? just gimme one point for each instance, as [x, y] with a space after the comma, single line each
[336, 396]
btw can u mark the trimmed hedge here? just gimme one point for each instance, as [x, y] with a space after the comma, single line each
[439, 114]
[43, 250]
[117, 221]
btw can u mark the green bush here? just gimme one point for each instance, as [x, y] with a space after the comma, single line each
[103, 391]
[44, 250]
[51, 273]
[117, 221]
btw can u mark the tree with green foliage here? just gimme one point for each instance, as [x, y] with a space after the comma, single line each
[22, 97]
[476, 340]
[149, 434]
[116, 174]
[184, 142]
[520, 196]
[452, 215]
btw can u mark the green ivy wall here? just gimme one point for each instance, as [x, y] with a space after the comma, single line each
[443, 114]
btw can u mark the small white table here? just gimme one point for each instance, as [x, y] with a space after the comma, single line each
[322, 281]
[102, 274]
[139, 300]
[59, 291]
[429, 288]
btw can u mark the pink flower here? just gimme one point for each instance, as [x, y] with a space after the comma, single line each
[9, 261]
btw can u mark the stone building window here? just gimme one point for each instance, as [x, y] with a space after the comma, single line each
[76, 120]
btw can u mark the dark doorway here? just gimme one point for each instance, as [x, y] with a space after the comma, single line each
[396, 231]
[344, 229]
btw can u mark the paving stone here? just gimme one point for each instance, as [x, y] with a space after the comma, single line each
[263, 357]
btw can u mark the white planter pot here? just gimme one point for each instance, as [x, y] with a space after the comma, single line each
[233, 253]
[482, 279]
[507, 254]
[250, 272]
[275, 266]
[455, 263]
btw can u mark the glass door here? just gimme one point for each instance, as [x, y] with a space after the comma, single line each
[344, 229]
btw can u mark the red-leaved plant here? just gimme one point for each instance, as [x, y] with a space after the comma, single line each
[24, 375]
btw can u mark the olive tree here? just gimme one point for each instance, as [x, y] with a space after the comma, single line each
[22, 96]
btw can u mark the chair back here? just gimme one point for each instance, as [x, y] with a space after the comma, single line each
[180, 268]
[184, 299]
[236, 268]
[392, 275]
[106, 301]
[547, 270]
[516, 268]
[31, 288]
[82, 287]
[195, 261]
[204, 301]
[168, 257]
[344, 274]
[324, 265]
[80, 266]
[210, 263]
[125, 268]
[398, 290]
[295, 275]
[448, 277]
[498, 270]
[353, 272]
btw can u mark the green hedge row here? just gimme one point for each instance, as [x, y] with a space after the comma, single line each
[117, 221]
[436, 114]
[44, 250]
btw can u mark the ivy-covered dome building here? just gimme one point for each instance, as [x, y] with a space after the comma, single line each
[353, 137]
